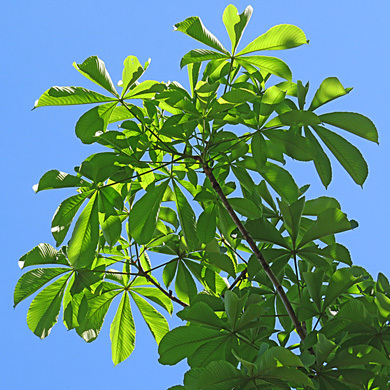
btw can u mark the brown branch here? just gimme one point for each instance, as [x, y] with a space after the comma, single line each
[290, 310]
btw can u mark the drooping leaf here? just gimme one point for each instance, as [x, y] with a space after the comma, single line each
[194, 28]
[291, 215]
[280, 37]
[44, 309]
[187, 217]
[33, 280]
[263, 230]
[85, 236]
[62, 96]
[155, 321]
[143, 215]
[184, 284]
[122, 331]
[329, 90]
[64, 215]
[245, 207]
[221, 375]
[354, 123]
[318, 205]
[57, 179]
[235, 23]
[222, 261]
[347, 154]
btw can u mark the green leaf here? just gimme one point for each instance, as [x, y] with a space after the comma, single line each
[168, 215]
[207, 224]
[143, 215]
[183, 341]
[354, 123]
[145, 90]
[221, 375]
[298, 118]
[339, 283]
[330, 221]
[314, 281]
[358, 355]
[259, 150]
[93, 122]
[85, 236]
[318, 205]
[271, 65]
[155, 321]
[187, 218]
[201, 313]
[63, 96]
[235, 24]
[155, 295]
[98, 306]
[42, 254]
[122, 331]
[194, 28]
[263, 230]
[292, 216]
[64, 215]
[33, 280]
[329, 90]
[184, 285]
[245, 207]
[321, 160]
[110, 222]
[280, 37]
[44, 309]
[132, 71]
[199, 55]
[221, 261]
[281, 181]
[347, 154]
[56, 179]
[94, 69]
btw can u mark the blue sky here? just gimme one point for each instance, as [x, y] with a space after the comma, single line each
[41, 39]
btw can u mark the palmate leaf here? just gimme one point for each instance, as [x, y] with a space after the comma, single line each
[280, 37]
[32, 281]
[199, 55]
[155, 295]
[145, 90]
[94, 69]
[183, 341]
[354, 123]
[63, 96]
[268, 64]
[98, 306]
[57, 179]
[330, 221]
[94, 121]
[44, 309]
[42, 254]
[207, 224]
[186, 217]
[235, 24]
[64, 215]
[185, 286]
[122, 331]
[143, 215]
[155, 321]
[347, 154]
[85, 236]
[221, 375]
[194, 28]
[329, 90]
[132, 71]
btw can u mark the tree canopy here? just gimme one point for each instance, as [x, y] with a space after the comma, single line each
[189, 205]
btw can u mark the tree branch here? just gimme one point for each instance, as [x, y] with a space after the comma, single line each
[256, 251]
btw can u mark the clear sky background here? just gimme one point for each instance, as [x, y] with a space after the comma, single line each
[40, 39]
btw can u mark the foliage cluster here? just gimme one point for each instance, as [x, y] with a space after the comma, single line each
[189, 203]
